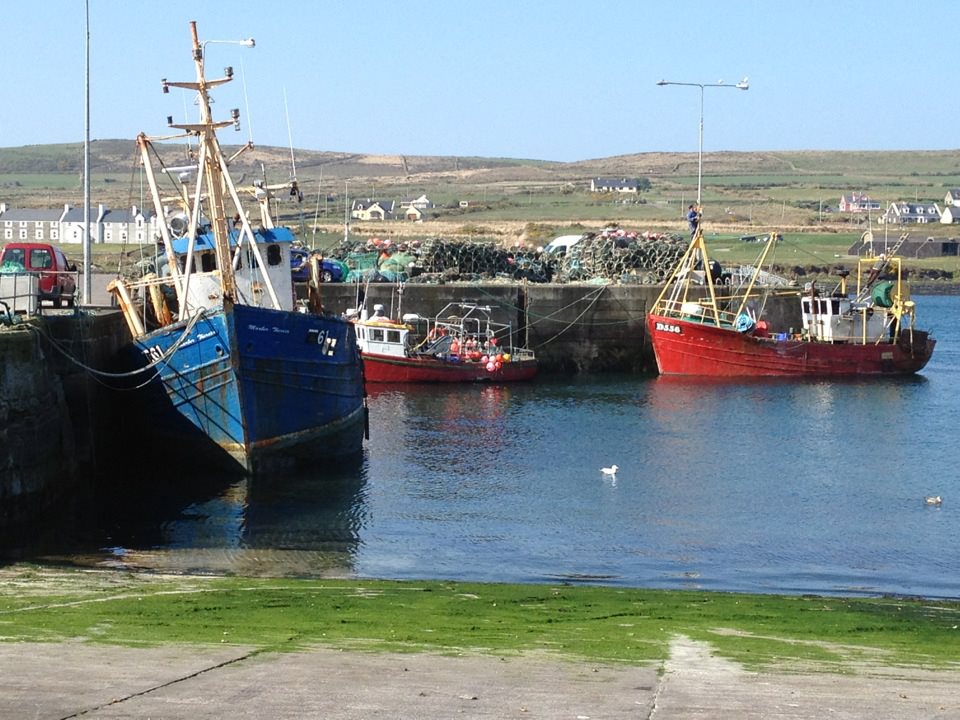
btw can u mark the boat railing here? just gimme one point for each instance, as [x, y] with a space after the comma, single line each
[693, 310]
[148, 302]
[741, 276]
[520, 354]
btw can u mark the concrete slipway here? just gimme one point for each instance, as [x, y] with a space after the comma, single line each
[72, 680]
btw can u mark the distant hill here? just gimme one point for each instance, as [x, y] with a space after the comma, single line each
[119, 156]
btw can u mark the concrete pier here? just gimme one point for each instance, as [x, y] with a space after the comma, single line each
[35, 432]
[53, 413]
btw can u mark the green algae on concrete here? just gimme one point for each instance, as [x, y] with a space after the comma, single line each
[599, 624]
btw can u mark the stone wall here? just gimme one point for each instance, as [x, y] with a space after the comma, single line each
[576, 327]
[55, 416]
[36, 435]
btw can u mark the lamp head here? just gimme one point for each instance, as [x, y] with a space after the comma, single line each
[743, 84]
[662, 82]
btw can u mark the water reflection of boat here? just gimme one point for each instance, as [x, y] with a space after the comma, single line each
[462, 344]
[695, 330]
[308, 525]
[244, 376]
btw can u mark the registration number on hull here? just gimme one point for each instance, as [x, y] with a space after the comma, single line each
[668, 327]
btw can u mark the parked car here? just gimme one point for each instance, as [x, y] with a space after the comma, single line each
[330, 270]
[56, 276]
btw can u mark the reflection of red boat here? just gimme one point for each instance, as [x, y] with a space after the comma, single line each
[462, 344]
[871, 333]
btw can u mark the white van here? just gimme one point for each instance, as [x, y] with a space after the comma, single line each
[559, 246]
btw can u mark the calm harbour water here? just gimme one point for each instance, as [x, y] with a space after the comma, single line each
[782, 486]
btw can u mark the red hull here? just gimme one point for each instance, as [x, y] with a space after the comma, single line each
[686, 348]
[386, 369]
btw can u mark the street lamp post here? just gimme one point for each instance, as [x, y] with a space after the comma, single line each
[742, 85]
[249, 42]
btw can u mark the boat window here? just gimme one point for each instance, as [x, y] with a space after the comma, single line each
[835, 305]
[207, 262]
[273, 254]
[393, 336]
[376, 335]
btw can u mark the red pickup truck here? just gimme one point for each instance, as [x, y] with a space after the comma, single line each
[56, 276]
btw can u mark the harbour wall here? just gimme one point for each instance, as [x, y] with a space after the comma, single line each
[53, 412]
[574, 328]
[35, 432]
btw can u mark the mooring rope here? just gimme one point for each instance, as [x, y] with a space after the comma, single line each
[596, 298]
[131, 373]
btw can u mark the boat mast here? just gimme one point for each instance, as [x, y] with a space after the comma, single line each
[214, 182]
[214, 175]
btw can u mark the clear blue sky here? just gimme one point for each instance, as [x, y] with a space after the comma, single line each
[561, 80]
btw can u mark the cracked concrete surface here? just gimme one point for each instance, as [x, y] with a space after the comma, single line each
[72, 680]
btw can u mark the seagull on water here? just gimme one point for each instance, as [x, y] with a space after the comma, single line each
[933, 500]
[612, 470]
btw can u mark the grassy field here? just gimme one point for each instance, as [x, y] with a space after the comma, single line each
[42, 604]
[514, 201]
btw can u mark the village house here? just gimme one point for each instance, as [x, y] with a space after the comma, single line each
[109, 226]
[421, 203]
[903, 213]
[372, 210]
[31, 224]
[65, 225]
[952, 198]
[950, 215]
[622, 185]
[413, 213]
[857, 202]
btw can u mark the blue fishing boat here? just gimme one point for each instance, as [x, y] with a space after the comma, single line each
[241, 373]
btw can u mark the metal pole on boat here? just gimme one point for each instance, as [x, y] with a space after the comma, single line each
[742, 85]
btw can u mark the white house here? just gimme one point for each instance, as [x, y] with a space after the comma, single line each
[413, 213]
[65, 225]
[372, 209]
[109, 226]
[902, 213]
[950, 215]
[601, 184]
[31, 224]
[952, 198]
[421, 203]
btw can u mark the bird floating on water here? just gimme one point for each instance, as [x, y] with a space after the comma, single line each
[933, 500]
[612, 470]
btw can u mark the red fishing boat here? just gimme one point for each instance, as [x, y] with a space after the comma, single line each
[696, 330]
[461, 344]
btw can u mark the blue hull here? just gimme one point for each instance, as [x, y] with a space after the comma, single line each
[263, 387]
